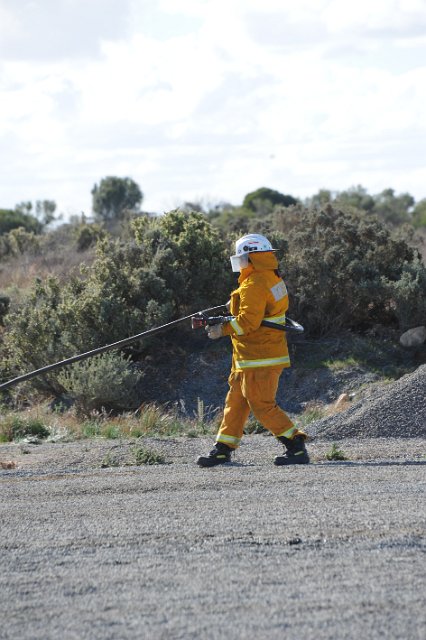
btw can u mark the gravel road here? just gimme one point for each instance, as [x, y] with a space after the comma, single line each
[331, 550]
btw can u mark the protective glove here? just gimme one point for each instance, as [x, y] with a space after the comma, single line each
[214, 331]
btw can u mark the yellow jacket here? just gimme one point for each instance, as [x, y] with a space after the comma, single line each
[262, 295]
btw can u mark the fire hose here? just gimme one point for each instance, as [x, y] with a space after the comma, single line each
[198, 320]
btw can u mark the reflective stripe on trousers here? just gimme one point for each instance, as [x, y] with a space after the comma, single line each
[254, 390]
[262, 362]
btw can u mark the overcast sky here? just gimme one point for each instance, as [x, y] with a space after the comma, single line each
[210, 99]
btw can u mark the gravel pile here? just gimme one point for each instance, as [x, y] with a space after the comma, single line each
[398, 410]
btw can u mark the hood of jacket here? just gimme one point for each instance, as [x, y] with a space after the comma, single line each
[263, 261]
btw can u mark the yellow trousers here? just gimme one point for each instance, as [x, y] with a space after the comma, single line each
[254, 390]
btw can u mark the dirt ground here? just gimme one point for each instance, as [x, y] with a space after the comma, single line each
[248, 550]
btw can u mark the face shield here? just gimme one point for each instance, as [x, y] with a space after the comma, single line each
[239, 262]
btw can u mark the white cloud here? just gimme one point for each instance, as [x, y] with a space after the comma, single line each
[378, 16]
[9, 23]
[198, 97]
[58, 29]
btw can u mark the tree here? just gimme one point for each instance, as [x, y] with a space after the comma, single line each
[419, 214]
[256, 200]
[393, 209]
[24, 207]
[10, 219]
[233, 220]
[357, 197]
[45, 211]
[113, 197]
[320, 199]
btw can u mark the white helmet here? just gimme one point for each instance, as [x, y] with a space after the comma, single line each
[245, 245]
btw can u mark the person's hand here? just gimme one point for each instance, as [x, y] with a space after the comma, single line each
[214, 331]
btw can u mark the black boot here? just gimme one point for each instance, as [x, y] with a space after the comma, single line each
[295, 452]
[219, 455]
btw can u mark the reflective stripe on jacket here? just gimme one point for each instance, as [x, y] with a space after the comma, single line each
[262, 295]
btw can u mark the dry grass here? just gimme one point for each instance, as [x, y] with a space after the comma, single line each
[149, 420]
[18, 274]
[317, 410]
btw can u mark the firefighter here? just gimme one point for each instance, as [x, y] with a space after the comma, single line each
[259, 355]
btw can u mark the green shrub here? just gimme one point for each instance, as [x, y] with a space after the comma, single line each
[18, 242]
[109, 460]
[147, 456]
[111, 432]
[4, 307]
[22, 241]
[335, 453]
[107, 382]
[35, 331]
[173, 265]
[91, 429]
[419, 214]
[16, 428]
[408, 294]
[87, 235]
[188, 254]
[13, 219]
[344, 270]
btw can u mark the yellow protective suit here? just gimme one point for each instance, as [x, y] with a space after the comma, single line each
[259, 353]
